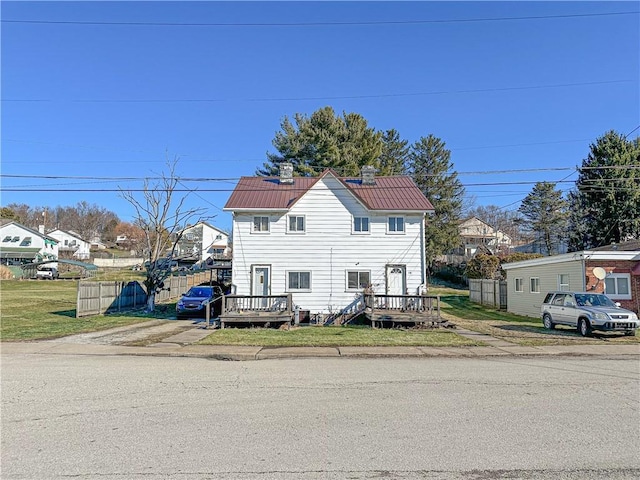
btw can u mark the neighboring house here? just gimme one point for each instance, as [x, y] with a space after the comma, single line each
[20, 244]
[324, 239]
[70, 242]
[477, 234]
[529, 281]
[202, 241]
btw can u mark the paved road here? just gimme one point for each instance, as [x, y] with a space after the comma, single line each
[96, 417]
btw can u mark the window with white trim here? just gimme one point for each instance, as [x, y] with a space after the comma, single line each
[360, 224]
[395, 225]
[298, 281]
[617, 286]
[7, 238]
[534, 284]
[563, 282]
[519, 285]
[358, 279]
[260, 224]
[296, 224]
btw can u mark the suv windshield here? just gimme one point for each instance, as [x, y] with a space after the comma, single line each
[594, 300]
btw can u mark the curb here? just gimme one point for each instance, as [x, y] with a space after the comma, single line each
[243, 353]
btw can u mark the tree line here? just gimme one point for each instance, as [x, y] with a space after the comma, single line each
[603, 208]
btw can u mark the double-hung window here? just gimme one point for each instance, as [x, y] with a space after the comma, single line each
[360, 224]
[519, 285]
[296, 224]
[395, 225]
[298, 281]
[617, 286]
[261, 224]
[358, 279]
[563, 282]
[534, 284]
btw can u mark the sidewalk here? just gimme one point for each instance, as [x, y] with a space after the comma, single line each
[183, 345]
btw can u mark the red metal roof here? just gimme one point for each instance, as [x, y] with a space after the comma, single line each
[397, 193]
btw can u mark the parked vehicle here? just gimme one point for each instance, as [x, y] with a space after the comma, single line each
[195, 302]
[587, 311]
[47, 273]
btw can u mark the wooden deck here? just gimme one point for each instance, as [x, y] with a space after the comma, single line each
[260, 310]
[389, 311]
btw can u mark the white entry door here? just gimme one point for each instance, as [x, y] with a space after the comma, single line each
[396, 280]
[261, 280]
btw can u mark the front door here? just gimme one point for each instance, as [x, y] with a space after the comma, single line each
[396, 280]
[261, 282]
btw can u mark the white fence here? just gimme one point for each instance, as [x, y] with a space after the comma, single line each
[117, 262]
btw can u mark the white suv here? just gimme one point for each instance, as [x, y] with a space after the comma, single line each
[587, 311]
[47, 273]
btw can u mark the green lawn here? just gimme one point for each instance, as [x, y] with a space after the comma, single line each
[335, 337]
[39, 309]
[516, 328]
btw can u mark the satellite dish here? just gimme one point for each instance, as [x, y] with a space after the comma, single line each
[599, 273]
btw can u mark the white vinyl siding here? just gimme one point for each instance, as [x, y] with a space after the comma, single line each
[328, 248]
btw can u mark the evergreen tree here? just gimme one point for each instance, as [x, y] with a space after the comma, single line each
[395, 152]
[431, 169]
[605, 208]
[323, 140]
[545, 212]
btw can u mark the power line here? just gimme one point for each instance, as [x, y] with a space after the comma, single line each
[298, 99]
[317, 24]
[235, 179]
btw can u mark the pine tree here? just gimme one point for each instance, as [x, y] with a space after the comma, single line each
[545, 212]
[605, 208]
[324, 140]
[431, 169]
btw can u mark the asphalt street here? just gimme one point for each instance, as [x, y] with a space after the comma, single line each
[126, 417]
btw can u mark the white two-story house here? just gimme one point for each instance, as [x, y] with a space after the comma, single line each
[22, 245]
[70, 242]
[203, 241]
[324, 239]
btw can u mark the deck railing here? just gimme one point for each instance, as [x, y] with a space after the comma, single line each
[256, 303]
[428, 305]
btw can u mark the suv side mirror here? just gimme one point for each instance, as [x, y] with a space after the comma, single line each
[570, 303]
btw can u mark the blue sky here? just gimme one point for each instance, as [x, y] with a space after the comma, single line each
[110, 89]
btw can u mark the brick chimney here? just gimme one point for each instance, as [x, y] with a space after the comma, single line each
[368, 174]
[286, 173]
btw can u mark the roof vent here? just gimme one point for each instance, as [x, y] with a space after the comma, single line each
[286, 173]
[368, 173]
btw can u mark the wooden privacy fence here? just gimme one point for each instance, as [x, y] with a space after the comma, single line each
[492, 293]
[97, 298]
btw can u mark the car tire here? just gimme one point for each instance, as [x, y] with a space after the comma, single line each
[583, 327]
[548, 322]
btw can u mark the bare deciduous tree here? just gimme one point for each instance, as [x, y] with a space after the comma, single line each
[162, 217]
